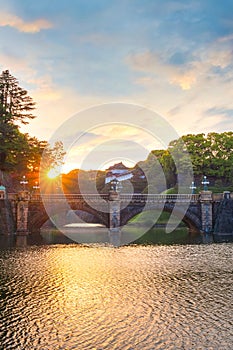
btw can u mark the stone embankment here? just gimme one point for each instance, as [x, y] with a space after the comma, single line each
[223, 228]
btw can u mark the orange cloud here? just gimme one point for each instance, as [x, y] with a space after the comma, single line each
[152, 64]
[45, 89]
[185, 80]
[185, 76]
[11, 20]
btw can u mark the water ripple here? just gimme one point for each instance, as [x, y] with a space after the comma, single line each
[77, 297]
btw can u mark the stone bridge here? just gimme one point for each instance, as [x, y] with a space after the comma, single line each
[114, 210]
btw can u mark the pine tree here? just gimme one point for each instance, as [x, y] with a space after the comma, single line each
[15, 104]
[15, 108]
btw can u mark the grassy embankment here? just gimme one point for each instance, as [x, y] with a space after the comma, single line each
[157, 234]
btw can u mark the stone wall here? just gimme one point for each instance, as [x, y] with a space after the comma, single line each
[6, 219]
[224, 220]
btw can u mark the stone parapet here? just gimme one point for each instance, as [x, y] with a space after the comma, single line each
[24, 195]
[114, 196]
[206, 196]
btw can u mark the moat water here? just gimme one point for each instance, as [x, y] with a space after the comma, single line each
[94, 296]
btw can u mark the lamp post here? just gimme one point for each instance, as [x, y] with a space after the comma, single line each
[193, 187]
[119, 186]
[36, 186]
[24, 182]
[205, 183]
[114, 185]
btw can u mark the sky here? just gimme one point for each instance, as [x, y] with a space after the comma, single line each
[174, 58]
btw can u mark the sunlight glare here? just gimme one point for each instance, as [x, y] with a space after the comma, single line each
[52, 173]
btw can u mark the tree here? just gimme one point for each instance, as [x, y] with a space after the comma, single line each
[169, 168]
[20, 153]
[15, 108]
[16, 105]
[221, 148]
[211, 155]
[52, 159]
[29, 157]
[9, 144]
[198, 147]
[200, 154]
[52, 156]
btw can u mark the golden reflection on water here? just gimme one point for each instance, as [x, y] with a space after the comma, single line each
[64, 297]
[82, 279]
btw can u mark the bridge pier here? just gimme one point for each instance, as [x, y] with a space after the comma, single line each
[22, 213]
[206, 211]
[114, 210]
[114, 218]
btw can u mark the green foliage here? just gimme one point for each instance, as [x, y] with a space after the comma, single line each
[20, 153]
[169, 168]
[52, 157]
[15, 108]
[210, 155]
[171, 190]
[147, 217]
[155, 180]
[198, 149]
[11, 142]
[15, 103]
[81, 181]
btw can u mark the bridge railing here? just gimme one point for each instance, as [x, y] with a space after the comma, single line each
[217, 197]
[159, 197]
[12, 196]
[68, 197]
[124, 197]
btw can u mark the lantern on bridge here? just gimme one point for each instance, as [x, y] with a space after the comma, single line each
[2, 192]
[205, 183]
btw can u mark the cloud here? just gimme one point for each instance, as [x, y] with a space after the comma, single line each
[222, 111]
[226, 38]
[179, 61]
[64, 103]
[45, 89]
[184, 80]
[185, 70]
[219, 56]
[157, 67]
[11, 20]
[18, 66]
[41, 87]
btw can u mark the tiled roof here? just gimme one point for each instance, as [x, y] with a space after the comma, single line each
[117, 166]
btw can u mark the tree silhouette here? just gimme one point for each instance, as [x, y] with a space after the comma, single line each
[15, 108]
[15, 103]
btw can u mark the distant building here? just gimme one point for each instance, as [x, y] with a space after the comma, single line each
[118, 172]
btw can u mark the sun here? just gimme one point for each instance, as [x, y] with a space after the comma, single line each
[52, 173]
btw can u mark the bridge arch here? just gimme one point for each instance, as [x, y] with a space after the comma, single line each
[191, 218]
[37, 215]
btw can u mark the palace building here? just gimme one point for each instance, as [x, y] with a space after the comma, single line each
[118, 172]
